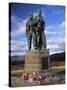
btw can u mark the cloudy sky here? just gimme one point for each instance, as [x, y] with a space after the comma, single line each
[54, 17]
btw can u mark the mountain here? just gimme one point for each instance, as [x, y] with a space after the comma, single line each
[58, 57]
[16, 60]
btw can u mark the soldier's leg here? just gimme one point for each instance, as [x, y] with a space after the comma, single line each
[38, 40]
[43, 40]
[34, 40]
[29, 41]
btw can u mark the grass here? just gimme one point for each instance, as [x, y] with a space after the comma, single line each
[57, 69]
[18, 73]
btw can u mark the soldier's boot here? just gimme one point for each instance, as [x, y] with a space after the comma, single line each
[29, 48]
[35, 46]
[44, 46]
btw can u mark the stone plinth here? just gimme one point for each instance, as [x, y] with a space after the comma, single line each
[34, 61]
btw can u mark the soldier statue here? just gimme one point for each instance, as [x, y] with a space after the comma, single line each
[29, 29]
[35, 30]
[40, 24]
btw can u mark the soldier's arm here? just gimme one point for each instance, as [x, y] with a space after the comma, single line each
[27, 29]
[43, 25]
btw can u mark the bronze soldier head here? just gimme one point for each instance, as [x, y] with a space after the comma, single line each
[39, 12]
[30, 15]
[39, 15]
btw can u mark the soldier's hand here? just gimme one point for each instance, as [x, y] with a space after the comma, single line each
[30, 32]
[36, 33]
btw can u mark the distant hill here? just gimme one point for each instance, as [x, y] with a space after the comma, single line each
[55, 59]
[58, 57]
[16, 60]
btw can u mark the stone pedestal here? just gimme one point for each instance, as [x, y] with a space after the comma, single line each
[35, 61]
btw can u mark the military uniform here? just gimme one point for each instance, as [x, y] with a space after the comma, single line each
[41, 40]
[29, 30]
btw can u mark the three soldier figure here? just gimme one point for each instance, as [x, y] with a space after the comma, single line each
[35, 29]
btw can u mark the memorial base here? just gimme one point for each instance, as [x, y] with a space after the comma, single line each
[37, 61]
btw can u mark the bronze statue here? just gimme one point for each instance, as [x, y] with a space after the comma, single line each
[35, 28]
[40, 24]
[31, 32]
[29, 29]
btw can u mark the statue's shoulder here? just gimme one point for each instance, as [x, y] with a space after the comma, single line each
[28, 22]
